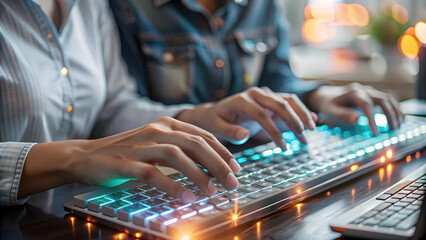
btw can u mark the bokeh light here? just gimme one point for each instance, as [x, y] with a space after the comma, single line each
[420, 31]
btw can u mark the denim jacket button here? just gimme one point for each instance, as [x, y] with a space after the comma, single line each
[219, 63]
[168, 57]
[219, 22]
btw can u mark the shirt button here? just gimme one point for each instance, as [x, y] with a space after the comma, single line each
[219, 63]
[64, 71]
[219, 22]
[168, 57]
[261, 47]
[70, 108]
[219, 93]
[248, 79]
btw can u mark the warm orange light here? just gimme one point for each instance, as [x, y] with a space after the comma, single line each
[258, 225]
[382, 159]
[381, 174]
[417, 155]
[420, 30]
[399, 14]
[72, 219]
[235, 217]
[353, 192]
[138, 235]
[389, 153]
[408, 159]
[358, 15]
[120, 236]
[88, 224]
[369, 185]
[389, 169]
[322, 11]
[299, 191]
[185, 237]
[354, 167]
[236, 238]
[408, 46]
[328, 193]
[299, 207]
[342, 17]
[317, 31]
[308, 12]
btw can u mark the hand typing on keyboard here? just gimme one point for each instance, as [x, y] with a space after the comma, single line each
[133, 154]
[335, 101]
[261, 105]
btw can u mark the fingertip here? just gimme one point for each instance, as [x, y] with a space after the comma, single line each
[242, 133]
[233, 164]
[231, 181]
[188, 196]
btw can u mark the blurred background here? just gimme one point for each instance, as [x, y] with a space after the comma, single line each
[373, 42]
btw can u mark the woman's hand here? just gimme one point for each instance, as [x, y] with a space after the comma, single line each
[134, 154]
[258, 104]
[339, 102]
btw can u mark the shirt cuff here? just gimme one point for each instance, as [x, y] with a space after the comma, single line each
[12, 160]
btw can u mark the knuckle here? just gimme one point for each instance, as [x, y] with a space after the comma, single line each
[252, 90]
[293, 96]
[260, 114]
[172, 151]
[148, 172]
[197, 140]
[209, 136]
[283, 105]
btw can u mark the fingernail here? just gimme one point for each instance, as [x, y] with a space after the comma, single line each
[233, 164]
[354, 118]
[241, 134]
[312, 124]
[283, 145]
[211, 188]
[231, 181]
[188, 196]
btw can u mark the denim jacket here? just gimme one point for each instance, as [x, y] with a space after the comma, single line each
[180, 53]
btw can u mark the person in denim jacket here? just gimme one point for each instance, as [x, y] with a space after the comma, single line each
[232, 55]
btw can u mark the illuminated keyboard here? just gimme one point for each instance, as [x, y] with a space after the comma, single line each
[270, 180]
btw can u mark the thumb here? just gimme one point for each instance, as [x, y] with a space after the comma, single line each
[230, 132]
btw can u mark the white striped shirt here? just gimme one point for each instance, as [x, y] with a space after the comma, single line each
[62, 85]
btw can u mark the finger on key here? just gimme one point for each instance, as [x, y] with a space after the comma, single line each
[362, 100]
[283, 109]
[197, 149]
[152, 176]
[211, 140]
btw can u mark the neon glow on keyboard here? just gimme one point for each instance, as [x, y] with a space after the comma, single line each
[270, 179]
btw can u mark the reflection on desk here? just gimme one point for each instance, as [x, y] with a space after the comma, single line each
[43, 216]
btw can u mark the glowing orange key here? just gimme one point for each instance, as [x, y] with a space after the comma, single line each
[354, 167]
[389, 153]
[382, 159]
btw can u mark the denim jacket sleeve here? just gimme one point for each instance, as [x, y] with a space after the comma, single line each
[277, 73]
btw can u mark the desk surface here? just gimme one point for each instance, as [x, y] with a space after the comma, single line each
[43, 217]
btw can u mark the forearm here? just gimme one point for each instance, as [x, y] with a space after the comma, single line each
[49, 165]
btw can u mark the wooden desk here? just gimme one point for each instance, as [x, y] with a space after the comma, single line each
[43, 217]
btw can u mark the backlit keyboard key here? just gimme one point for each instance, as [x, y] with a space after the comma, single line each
[136, 198]
[143, 218]
[154, 202]
[95, 205]
[118, 195]
[126, 213]
[218, 200]
[110, 209]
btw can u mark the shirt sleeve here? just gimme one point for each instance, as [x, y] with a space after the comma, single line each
[124, 109]
[12, 160]
[277, 73]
